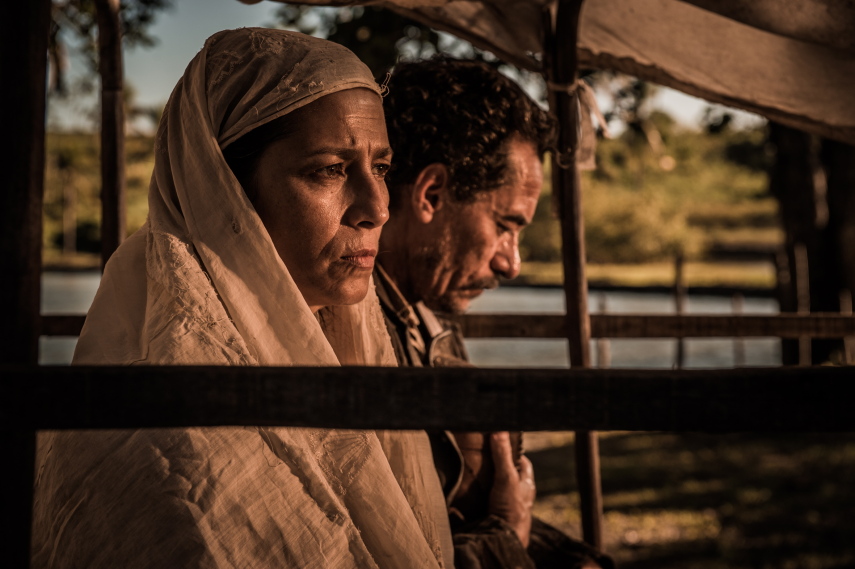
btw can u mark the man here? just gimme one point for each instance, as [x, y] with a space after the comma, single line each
[466, 179]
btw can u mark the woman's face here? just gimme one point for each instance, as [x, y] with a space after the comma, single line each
[321, 194]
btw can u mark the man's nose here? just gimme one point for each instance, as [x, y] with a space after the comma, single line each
[506, 260]
[370, 206]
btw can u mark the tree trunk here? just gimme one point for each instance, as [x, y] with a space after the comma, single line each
[69, 213]
[112, 127]
[817, 206]
[791, 181]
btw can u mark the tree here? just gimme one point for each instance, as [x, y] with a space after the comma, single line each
[813, 180]
[75, 21]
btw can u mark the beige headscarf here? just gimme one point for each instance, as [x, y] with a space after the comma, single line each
[201, 283]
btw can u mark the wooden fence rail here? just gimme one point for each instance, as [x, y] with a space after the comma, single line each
[772, 399]
[817, 325]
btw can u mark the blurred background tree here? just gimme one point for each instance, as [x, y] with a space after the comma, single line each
[74, 27]
[377, 36]
[74, 35]
[72, 182]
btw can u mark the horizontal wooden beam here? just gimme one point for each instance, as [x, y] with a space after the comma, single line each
[774, 399]
[817, 325]
[62, 324]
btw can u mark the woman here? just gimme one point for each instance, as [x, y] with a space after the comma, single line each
[268, 264]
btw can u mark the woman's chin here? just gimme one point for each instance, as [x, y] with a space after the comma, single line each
[346, 294]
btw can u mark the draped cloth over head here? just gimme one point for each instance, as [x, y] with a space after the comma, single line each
[201, 283]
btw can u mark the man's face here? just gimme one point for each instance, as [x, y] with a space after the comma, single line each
[469, 245]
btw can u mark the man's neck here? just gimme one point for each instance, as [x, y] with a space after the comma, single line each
[395, 274]
[395, 260]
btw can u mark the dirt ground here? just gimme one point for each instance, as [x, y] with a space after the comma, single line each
[711, 501]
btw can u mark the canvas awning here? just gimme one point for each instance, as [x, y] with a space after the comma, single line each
[793, 62]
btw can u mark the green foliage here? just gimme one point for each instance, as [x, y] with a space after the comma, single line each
[635, 227]
[72, 164]
[75, 22]
[375, 35]
[643, 205]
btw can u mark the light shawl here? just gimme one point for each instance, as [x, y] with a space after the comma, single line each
[201, 283]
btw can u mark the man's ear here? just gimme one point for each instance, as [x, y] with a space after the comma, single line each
[430, 191]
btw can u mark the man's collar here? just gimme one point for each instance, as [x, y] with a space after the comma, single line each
[390, 295]
[410, 314]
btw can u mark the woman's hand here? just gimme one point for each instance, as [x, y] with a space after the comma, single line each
[512, 495]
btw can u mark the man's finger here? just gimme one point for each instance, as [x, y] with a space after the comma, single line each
[503, 456]
[526, 469]
[527, 480]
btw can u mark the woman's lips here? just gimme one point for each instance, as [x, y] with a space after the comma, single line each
[363, 259]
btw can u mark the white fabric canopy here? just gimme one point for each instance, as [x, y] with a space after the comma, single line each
[793, 62]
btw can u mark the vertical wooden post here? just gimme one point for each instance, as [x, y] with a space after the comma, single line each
[562, 72]
[112, 127]
[23, 41]
[737, 301]
[604, 356]
[680, 306]
[23, 66]
[848, 341]
[802, 278]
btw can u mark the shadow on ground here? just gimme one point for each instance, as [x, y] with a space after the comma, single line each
[714, 501]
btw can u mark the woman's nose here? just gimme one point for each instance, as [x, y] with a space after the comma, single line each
[370, 207]
[506, 260]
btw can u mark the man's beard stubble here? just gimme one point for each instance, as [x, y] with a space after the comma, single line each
[431, 259]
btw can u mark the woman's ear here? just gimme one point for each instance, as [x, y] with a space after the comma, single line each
[430, 191]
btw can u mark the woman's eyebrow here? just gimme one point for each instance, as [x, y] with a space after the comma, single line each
[345, 152]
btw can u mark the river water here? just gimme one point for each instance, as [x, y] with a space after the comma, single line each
[72, 293]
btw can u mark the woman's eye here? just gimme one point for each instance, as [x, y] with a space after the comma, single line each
[333, 171]
[381, 169]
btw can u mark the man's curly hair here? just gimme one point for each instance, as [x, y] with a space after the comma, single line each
[459, 113]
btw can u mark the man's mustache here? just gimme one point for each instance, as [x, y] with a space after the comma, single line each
[485, 283]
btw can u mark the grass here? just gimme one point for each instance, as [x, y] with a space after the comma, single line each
[697, 273]
[711, 501]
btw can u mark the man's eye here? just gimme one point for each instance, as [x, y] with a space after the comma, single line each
[502, 228]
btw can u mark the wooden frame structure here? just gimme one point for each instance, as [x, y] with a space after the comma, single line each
[804, 399]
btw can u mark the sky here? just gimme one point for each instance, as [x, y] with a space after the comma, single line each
[181, 32]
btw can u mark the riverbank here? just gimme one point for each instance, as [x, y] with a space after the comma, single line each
[757, 275]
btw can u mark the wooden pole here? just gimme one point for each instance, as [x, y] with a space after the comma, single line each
[848, 341]
[604, 356]
[802, 279]
[562, 73]
[679, 306]
[112, 127]
[23, 66]
[23, 42]
[737, 302]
